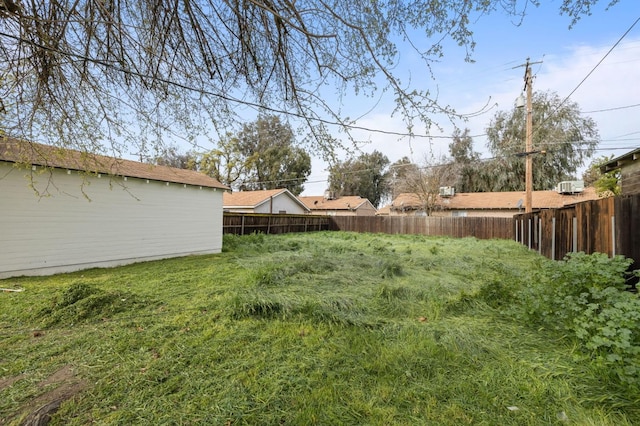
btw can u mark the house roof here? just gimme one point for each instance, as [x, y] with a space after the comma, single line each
[350, 202]
[510, 200]
[252, 199]
[24, 152]
[384, 211]
[616, 163]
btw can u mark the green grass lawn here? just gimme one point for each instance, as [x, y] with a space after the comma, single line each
[327, 328]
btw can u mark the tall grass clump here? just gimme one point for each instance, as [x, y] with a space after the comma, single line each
[83, 302]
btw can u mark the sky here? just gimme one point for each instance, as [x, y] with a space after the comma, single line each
[594, 63]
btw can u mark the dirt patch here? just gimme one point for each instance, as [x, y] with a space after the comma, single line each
[59, 387]
[6, 383]
[64, 375]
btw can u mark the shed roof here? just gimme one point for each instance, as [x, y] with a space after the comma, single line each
[252, 199]
[497, 200]
[24, 152]
[350, 202]
[616, 163]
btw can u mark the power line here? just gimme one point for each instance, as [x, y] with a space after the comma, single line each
[612, 109]
[224, 97]
[589, 73]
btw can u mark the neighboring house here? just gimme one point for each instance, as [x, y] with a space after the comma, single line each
[270, 201]
[629, 165]
[339, 206]
[64, 210]
[487, 204]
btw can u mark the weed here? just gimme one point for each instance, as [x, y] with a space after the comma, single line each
[585, 296]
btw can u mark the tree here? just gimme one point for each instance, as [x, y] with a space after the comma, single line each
[464, 168]
[562, 140]
[128, 75]
[426, 180]
[261, 156]
[271, 158]
[461, 147]
[172, 157]
[606, 184]
[365, 176]
[400, 175]
[225, 163]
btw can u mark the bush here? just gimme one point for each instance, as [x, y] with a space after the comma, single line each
[585, 296]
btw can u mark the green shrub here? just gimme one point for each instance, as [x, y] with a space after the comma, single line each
[585, 296]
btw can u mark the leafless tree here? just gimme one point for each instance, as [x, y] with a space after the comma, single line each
[425, 181]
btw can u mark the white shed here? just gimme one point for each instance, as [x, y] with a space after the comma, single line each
[64, 210]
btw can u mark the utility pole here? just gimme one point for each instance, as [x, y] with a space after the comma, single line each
[528, 85]
[528, 80]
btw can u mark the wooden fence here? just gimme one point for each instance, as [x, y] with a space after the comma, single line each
[609, 225]
[479, 227]
[248, 223]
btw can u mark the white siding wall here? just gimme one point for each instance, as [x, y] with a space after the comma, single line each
[281, 202]
[120, 222]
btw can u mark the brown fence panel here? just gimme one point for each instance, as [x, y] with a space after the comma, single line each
[565, 232]
[608, 225]
[595, 232]
[627, 227]
[479, 227]
[247, 223]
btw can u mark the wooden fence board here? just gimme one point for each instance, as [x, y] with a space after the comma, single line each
[627, 227]
[479, 227]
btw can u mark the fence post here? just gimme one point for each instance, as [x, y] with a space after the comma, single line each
[517, 239]
[242, 226]
[613, 236]
[575, 235]
[553, 238]
[529, 231]
[540, 236]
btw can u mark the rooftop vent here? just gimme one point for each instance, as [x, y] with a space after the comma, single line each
[570, 187]
[447, 191]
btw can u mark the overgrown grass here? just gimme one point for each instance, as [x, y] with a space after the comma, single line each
[325, 328]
